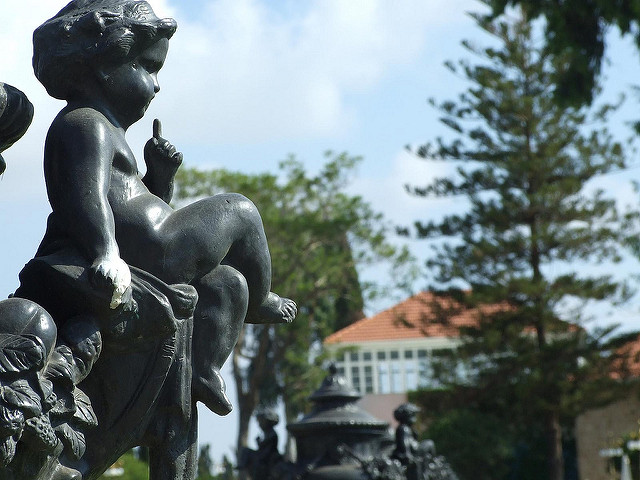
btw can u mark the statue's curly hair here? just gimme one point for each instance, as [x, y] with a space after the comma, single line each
[90, 33]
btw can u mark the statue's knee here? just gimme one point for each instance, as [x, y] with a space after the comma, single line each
[241, 205]
[235, 282]
[225, 285]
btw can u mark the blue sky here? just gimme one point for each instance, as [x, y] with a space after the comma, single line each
[248, 82]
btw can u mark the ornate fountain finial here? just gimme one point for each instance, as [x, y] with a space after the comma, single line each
[334, 387]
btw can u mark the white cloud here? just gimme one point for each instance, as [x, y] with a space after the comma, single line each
[244, 72]
[387, 194]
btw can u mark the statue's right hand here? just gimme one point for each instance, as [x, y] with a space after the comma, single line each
[159, 152]
[113, 273]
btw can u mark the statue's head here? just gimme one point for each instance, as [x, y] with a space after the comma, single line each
[16, 113]
[267, 418]
[90, 35]
[406, 413]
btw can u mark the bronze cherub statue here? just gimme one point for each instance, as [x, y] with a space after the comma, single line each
[146, 302]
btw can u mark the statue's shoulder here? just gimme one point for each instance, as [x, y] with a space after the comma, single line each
[80, 124]
[80, 117]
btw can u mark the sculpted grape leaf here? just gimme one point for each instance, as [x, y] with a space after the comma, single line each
[11, 421]
[20, 395]
[73, 440]
[84, 413]
[60, 367]
[65, 406]
[20, 353]
[7, 451]
[47, 393]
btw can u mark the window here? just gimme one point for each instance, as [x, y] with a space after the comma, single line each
[355, 378]
[383, 378]
[410, 376]
[368, 379]
[394, 371]
[424, 373]
[396, 378]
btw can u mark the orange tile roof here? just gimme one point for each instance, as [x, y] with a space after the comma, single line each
[406, 320]
[627, 361]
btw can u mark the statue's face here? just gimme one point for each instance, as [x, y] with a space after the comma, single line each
[131, 86]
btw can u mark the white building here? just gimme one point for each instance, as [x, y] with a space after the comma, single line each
[391, 353]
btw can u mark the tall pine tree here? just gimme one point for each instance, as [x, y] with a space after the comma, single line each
[522, 164]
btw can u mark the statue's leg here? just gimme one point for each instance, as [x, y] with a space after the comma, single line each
[223, 229]
[188, 243]
[218, 319]
[195, 239]
[177, 457]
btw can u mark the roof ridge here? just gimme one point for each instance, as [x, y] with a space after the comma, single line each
[388, 323]
[357, 323]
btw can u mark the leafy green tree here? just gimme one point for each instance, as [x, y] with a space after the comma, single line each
[205, 463]
[228, 473]
[576, 31]
[318, 235]
[522, 164]
[478, 445]
[134, 468]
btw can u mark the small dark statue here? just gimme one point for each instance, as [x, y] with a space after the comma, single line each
[265, 462]
[129, 308]
[338, 440]
[419, 458]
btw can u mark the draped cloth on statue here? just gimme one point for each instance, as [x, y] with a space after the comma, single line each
[152, 342]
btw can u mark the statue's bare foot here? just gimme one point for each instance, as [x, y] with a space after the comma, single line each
[276, 309]
[212, 392]
[64, 473]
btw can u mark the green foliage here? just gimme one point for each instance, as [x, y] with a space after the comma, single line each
[575, 30]
[229, 473]
[318, 236]
[477, 434]
[134, 469]
[479, 446]
[138, 469]
[205, 463]
[522, 164]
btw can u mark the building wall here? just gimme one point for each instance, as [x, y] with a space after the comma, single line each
[390, 367]
[382, 406]
[599, 429]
